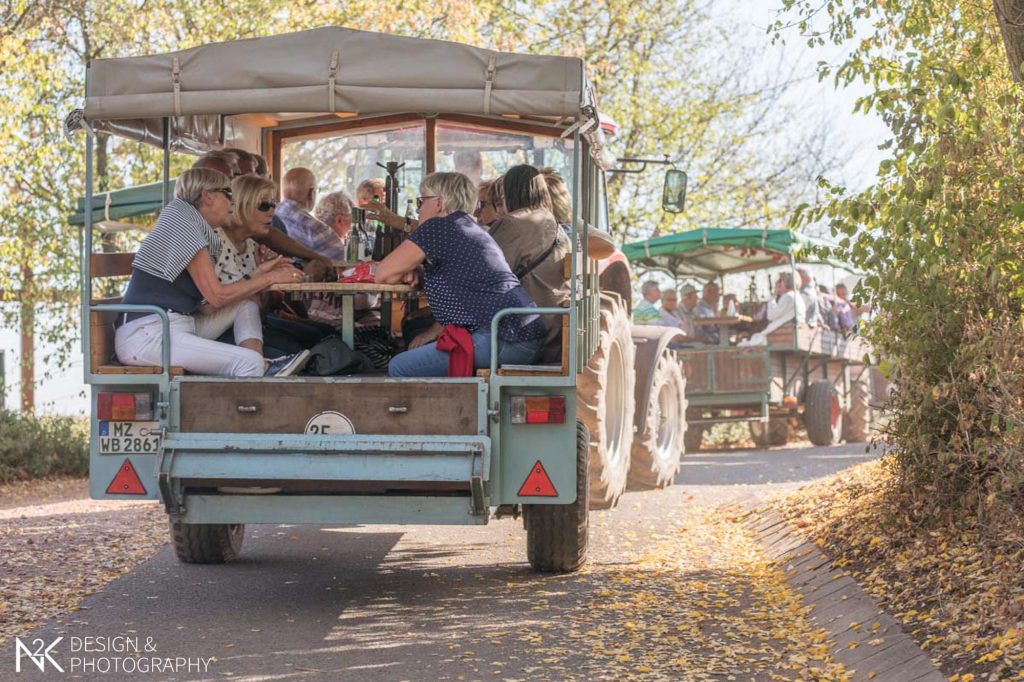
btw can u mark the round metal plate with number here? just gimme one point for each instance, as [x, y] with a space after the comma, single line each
[330, 423]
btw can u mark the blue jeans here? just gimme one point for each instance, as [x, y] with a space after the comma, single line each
[428, 361]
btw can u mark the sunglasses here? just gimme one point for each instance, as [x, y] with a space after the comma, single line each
[265, 206]
[226, 191]
[420, 200]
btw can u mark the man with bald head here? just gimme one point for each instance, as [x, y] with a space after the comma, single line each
[298, 189]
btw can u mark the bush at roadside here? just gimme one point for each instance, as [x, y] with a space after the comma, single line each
[33, 447]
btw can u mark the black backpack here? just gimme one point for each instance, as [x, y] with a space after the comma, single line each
[333, 357]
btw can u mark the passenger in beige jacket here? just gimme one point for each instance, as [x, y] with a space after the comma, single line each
[534, 246]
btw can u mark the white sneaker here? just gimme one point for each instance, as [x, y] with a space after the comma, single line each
[286, 365]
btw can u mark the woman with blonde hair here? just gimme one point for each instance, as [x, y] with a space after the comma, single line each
[558, 193]
[466, 279]
[489, 206]
[174, 269]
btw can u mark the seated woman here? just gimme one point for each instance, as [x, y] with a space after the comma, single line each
[534, 246]
[252, 218]
[466, 279]
[174, 269]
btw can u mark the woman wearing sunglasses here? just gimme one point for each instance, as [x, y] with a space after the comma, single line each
[466, 279]
[174, 269]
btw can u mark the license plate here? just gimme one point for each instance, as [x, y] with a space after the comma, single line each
[129, 438]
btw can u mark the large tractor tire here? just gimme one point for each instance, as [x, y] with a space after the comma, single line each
[606, 404]
[776, 433]
[556, 534]
[823, 415]
[206, 543]
[857, 428]
[658, 448]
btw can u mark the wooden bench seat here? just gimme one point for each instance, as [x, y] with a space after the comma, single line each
[102, 325]
[130, 369]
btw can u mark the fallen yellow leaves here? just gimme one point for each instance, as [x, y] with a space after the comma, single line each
[958, 591]
[701, 602]
[48, 557]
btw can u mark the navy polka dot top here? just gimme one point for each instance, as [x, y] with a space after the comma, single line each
[467, 279]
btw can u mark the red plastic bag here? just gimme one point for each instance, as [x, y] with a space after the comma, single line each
[364, 273]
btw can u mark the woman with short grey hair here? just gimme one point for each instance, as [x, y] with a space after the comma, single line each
[467, 281]
[174, 269]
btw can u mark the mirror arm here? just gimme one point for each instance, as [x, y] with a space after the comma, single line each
[643, 164]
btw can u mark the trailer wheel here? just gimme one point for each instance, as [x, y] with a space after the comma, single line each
[606, 403]
[776, 434]
[858, 417]
[206, 543]
[657, 451]
[823, 414]
[556, 534]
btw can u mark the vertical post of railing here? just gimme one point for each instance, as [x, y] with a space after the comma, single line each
[86, 269]
[167, 160]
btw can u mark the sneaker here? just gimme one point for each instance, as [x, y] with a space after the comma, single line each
[286, 365]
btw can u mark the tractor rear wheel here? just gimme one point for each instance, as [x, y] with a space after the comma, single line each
[658, 449]
[606, 403]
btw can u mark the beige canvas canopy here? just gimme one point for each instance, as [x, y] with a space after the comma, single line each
[327, 70]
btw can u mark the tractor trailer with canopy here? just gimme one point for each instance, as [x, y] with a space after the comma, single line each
[790, 370]
[544, 442]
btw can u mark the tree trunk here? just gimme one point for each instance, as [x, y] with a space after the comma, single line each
[1010, 14]
[28, 341]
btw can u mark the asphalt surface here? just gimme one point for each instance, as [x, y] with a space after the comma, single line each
[391, 602]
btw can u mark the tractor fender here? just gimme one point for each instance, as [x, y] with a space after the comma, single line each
[615, 276]
[649, 342]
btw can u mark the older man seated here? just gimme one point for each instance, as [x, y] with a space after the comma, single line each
[678, 315]
[294, 215]
[645, 312]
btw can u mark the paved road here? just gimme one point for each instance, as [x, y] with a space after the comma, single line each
[395, 603]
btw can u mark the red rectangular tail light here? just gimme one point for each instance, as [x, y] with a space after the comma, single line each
[124, 407]
[538, 409]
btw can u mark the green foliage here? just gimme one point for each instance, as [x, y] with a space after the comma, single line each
[33, 447]
[941, 233]
[667, 73]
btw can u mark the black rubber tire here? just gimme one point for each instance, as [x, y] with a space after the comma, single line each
[775, 435]
[658, 450]
[606, 403]
[823, 416]
[857, 427]
[206, 543]
[556, 534]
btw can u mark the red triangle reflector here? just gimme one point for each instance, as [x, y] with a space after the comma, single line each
[538, 483]
[126, 482]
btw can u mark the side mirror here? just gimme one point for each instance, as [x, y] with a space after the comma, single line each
[673, 198]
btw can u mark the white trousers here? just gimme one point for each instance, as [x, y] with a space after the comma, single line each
[192, 344]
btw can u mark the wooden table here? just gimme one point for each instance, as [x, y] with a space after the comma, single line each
[347, 292]
[723, 324]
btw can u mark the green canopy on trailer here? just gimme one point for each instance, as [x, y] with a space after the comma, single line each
[710, 252]
[121, 203]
